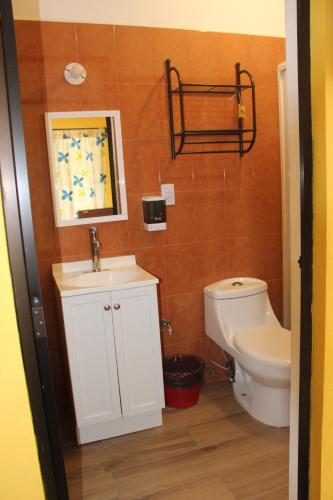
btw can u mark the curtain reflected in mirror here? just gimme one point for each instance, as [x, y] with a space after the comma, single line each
[85, 167]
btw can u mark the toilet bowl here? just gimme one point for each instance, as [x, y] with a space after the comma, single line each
[240, 319]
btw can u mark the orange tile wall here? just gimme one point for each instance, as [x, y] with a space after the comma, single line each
[227, 217]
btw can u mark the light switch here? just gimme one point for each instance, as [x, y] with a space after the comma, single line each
[168, 191]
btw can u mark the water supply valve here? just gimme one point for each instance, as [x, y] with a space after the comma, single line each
[166, 323]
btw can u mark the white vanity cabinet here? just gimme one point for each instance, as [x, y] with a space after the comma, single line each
[137, 340]
[92, 361]
[114, 354]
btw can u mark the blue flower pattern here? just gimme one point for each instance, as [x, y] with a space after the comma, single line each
[79, 181]
[63, 157]
[67, 195]
[100, 141]
[76, 143]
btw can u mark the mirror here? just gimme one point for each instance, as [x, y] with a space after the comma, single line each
[87, 167]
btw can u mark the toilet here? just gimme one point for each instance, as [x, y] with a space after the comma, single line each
[240, 319]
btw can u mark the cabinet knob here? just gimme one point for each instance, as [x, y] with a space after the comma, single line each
[116, 307]
[107, 308]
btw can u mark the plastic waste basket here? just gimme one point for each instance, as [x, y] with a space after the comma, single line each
[182, 374]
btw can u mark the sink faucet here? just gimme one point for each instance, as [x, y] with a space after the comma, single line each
[95, 249]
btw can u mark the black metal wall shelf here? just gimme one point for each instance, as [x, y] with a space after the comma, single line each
[236, 140]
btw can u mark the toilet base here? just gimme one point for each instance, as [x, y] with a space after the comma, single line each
[269, 405]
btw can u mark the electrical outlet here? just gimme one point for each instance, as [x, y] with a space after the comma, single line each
[168, 191]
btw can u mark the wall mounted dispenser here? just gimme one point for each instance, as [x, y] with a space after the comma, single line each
[154, 213]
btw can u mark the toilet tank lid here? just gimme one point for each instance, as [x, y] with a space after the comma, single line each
[233, 288]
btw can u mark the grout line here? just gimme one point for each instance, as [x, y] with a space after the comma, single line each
[116, 59]
[76, 42]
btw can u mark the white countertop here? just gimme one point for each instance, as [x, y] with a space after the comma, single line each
[117, 273]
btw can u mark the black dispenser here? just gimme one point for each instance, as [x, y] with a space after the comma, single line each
[154, 213]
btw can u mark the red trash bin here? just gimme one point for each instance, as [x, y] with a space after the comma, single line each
[182, 374]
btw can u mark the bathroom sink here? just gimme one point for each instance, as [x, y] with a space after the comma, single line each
[109, 276]
[76, 278]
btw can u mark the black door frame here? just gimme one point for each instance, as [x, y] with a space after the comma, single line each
[305, 139]
[28, 300]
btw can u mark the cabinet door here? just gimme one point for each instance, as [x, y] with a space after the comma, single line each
[92, 359]
[138, 346]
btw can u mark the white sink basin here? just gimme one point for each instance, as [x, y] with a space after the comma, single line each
[107, 277]
[76, 278]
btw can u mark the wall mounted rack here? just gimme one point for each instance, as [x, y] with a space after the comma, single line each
[231, 140]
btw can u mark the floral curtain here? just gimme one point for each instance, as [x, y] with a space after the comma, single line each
[82, 170]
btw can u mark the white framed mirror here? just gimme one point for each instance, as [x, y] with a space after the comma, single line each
[87, 167]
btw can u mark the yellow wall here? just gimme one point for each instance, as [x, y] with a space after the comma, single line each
[19, 466]
[321, 452]
[86, 122]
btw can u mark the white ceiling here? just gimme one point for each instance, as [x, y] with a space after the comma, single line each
[260, 17]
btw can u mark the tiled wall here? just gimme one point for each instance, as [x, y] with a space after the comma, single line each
[227, 217]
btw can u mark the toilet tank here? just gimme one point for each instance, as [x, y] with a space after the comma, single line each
[236, 304]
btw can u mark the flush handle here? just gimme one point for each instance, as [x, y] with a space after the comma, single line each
[107, 308]
[116, 307]
[237, 283]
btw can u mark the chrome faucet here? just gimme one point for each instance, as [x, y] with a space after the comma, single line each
[95, 249]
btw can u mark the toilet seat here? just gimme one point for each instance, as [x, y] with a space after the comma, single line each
[268, 344]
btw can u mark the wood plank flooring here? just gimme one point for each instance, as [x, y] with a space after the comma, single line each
[213, 451]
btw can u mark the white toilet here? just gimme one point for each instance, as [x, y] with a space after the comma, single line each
[240, 319]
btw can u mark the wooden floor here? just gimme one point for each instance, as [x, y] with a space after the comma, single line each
[212, 451]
